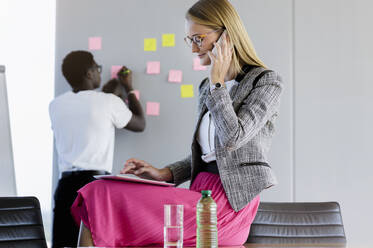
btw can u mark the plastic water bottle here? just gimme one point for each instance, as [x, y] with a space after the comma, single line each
[207, 230]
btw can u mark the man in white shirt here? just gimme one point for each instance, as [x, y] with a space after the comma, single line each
[84, 121]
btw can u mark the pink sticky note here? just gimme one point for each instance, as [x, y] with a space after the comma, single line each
[153, 67]
[197, 65]
[175, 76]
[94, 43]
[137, 93]
[114, 70]
[152, 108]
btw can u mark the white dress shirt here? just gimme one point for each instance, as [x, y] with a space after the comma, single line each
[84, 129]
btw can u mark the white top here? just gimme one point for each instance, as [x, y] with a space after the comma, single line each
[84, 129]
[206, 132]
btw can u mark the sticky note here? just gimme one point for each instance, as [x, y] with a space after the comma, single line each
[94, 43]
[114, 70]
[137, 94]
[153, 67]
[197, 65]
[152, 108]
[150, 44]
[187, 91]
[175, 76]
[168, 40]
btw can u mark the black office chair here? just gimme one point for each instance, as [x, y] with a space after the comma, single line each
[297, 222]
[21, 223]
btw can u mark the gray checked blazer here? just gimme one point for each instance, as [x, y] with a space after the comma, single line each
[244, 126]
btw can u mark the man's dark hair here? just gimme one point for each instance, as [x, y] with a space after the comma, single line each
[75, 67]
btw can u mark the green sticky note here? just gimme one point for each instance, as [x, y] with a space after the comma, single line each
[150, 44]
[187, 91]
[168, 40]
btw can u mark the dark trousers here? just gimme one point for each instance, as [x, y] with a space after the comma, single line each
[65, 230]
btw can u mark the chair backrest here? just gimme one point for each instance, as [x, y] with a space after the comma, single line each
[21, 223]
[297, 222]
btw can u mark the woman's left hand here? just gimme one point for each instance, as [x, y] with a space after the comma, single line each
[145, 170]
[220, 60]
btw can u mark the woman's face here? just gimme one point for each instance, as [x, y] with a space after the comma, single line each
[192, 29]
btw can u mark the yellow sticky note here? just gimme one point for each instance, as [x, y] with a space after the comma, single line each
[150, 44]
[168, 40]
[187, 91]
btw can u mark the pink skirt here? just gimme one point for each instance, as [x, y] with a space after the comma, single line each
[122, 213]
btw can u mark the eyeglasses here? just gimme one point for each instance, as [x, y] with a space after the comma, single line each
[198, 39]
[98, 67]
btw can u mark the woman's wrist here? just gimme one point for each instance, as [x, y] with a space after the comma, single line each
[215, 80]
[166, 174]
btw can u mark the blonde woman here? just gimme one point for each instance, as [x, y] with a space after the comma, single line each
[238, 104]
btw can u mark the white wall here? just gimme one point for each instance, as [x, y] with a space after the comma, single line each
[27, 41]
[7, 177]
[333, 109]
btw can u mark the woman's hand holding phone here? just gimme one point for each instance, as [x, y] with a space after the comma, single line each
[221, 57]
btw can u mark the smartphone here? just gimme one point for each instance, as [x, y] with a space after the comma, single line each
[220, 40]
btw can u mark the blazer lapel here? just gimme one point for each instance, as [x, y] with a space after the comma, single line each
[203, 109]
[202, 113]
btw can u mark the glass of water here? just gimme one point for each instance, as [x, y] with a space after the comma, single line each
[173, 226]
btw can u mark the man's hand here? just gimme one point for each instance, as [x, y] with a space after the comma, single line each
[137, 122]
[125, 78]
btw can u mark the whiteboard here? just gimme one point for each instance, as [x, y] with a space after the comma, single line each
[7, 177]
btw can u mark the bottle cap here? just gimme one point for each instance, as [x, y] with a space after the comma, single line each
[206, 193]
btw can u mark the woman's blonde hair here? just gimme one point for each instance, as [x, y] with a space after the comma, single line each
[221, 14]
